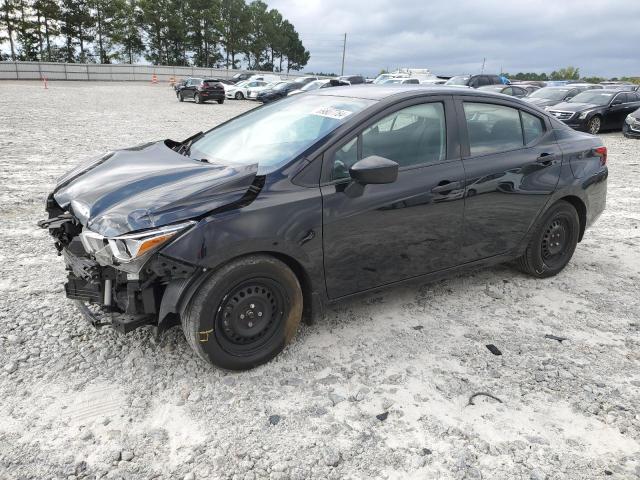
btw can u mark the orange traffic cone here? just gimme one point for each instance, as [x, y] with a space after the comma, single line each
[154, 78]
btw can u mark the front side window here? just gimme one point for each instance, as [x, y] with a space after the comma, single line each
[492, 128]
[411, 136]
[275, 134]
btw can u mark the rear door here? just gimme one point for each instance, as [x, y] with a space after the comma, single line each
[512, 166]
[403, 229]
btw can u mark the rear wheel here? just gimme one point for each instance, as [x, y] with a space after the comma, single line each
[553, 242]
[245, 314]
[594, 125]
[239, 96]
[197, 98]
[221, 101]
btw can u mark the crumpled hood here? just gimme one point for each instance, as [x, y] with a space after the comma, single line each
[148, 186]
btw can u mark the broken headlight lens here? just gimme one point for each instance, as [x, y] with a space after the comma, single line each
[127, 248]
[129, 252]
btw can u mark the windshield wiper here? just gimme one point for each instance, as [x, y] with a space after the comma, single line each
[185, 147]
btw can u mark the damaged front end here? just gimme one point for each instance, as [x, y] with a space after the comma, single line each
[112, 216]
[121, 280]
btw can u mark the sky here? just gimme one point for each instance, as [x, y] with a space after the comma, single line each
[601, 37]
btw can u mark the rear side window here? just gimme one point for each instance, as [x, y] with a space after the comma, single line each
[532, 126]
[492, 128]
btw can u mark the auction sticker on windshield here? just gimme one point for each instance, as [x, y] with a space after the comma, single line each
[331, 112]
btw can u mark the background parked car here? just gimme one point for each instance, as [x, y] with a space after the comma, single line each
[279, 91]
[401, 81]
[241, 77]
[317, 84]
[513, 90]
[252, 93]
[474, 81]
[550, 96]
[596, 110]
[239, 91]
[353, 79]
[201, 90]
[631, 127]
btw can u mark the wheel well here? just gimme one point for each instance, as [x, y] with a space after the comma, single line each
[581, 208]
[305, 283]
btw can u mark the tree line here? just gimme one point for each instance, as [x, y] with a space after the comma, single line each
[204, 33]
[566, 73]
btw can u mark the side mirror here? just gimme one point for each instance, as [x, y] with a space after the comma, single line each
[374, 170]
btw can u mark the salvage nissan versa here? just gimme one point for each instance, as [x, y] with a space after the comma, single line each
[240, 232]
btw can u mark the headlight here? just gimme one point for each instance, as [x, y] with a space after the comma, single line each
[130, 251]
[629, 119]
[584, 115]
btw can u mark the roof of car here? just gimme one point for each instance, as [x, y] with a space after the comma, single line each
[380, 92]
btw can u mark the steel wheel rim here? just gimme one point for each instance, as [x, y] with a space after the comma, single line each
[249, 316]
[556, 241]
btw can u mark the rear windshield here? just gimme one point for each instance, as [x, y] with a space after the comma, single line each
[550, 93]
[276, 133]
[458, 80]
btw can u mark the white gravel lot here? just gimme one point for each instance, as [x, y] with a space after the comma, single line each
[81, 403]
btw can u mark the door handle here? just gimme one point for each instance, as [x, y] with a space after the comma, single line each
[545, 159]
[445, 186]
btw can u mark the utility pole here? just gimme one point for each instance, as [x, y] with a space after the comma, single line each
[483, 60]
[344, 48]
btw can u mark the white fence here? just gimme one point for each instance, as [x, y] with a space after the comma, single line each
[111, 72]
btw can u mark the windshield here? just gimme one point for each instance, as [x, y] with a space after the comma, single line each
[313, 85]
[550, 93]
[493, 88]
[241, 84]
[382, 77]
[458, 80]
[594, 97]
[275, 134]
[392, 80]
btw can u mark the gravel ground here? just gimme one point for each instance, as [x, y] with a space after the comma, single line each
[378, 389]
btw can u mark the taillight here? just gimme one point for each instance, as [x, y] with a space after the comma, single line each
[602, 153]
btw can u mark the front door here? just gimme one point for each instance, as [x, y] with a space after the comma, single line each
[512, 165]
[400, 230]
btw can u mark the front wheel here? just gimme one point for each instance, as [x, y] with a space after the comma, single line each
[553, 242]
[245, 313]
[594, 125]
[181, 97]
[239, 96]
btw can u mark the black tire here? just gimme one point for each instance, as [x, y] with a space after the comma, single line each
[181, 97]
[197, 98]
[594, 125]
[245, 313]
[221, 101]
[554, 240]
[239, 96]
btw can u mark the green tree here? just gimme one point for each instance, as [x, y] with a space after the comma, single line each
[234, 26]
[47, 14]
[126, 34]
[567, 73]
[8, 22]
